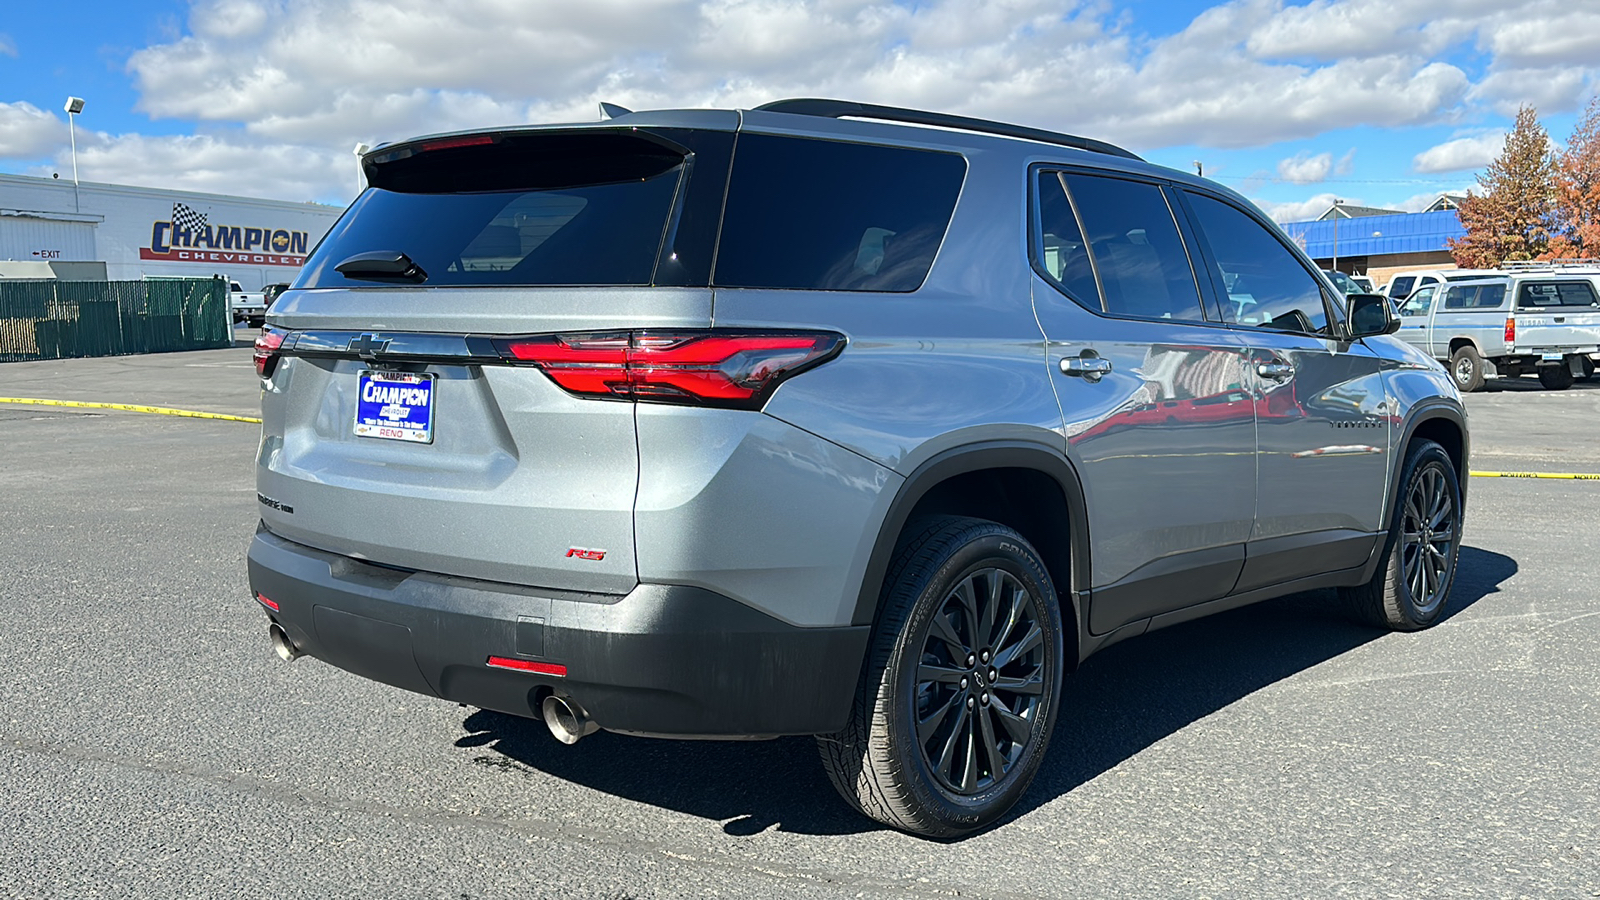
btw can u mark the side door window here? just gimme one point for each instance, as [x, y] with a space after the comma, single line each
[1414, 313]
[1417, 304]
[1121, 253]
[1265, 286]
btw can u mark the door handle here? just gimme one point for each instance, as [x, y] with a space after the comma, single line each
[1089, 368]
[1275, 371]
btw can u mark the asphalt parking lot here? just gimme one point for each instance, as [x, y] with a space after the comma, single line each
[151, 745]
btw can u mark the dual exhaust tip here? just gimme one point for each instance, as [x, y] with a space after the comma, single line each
[568, 722]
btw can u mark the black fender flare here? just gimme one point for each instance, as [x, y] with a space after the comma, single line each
[973, 458]
[1425, 411]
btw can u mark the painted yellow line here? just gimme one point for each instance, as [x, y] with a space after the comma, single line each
[131, 407]
[195, 414]
[1569, 476]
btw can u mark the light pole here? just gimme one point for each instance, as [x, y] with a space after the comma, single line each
[73, 107]
[1336, 203]
[358, 151]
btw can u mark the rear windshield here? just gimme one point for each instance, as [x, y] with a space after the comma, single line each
[551, 209]
[1556, 293]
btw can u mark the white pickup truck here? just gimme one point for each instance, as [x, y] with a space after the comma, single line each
[248, 306]
[1508, 325]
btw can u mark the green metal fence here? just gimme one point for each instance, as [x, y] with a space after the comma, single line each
[66, 319]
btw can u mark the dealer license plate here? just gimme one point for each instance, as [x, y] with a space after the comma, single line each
[396, 406]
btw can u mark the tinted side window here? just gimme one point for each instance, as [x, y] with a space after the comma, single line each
[826, 215]
[1401, 286]
[1267, 287]
[1135, 247]
[1059, 246]
[1475, 296]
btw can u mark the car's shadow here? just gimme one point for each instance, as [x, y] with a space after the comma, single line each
[1120, 702]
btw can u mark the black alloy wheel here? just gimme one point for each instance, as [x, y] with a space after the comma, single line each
[980, 681]
[1428, 538]
[953, 713]
[1411, 586]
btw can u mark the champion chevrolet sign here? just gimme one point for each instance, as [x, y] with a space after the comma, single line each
[189, 237]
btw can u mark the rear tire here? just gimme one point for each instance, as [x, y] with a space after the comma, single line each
[1466, 369]
[955, 706]
[1555, 378]
[1412, 585]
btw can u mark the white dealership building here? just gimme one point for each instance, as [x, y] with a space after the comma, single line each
[124, 233]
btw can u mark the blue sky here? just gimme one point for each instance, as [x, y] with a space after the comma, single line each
[1382, 102]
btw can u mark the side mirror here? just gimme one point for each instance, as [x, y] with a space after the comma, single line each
[1370, 315]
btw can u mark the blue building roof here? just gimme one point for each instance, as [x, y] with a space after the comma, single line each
[1379, 235]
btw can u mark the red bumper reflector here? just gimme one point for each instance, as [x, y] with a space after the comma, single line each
[528, 665]
[267, 603]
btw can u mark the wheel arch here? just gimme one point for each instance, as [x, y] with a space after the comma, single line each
[1445, 424]
[1456, 343]
[1024, 486]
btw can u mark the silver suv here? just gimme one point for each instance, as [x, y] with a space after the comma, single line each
[809, 420]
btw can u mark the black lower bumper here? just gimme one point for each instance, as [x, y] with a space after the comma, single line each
[666, 660]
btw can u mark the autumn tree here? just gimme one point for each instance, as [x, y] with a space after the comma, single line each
[1510, 217]
[1577, 184]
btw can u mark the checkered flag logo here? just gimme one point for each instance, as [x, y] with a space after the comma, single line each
[186, 219]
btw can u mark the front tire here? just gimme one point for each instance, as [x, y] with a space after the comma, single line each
[955, 707]
[1412, 584]
[1466, 368]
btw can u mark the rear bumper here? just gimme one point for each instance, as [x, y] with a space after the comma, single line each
[667, 660]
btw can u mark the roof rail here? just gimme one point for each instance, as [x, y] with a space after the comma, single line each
[1541, 265]
[835, 109]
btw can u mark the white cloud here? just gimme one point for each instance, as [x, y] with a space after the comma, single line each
[28, 132]
[293, 69]
[1303, 168]
[278, 78]
[1301, 211]
[1548, 90]
[1461, 153]
[213, 163]
[1420, 202]
[1562, 34]
[8, 47]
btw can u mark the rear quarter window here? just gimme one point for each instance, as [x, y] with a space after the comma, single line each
[826, 215]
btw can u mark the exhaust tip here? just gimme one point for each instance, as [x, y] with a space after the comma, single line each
[567, 721]
[281, 644]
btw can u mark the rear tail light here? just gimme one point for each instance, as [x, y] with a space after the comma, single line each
[266, 355]
[1511, 331]
[712, 368]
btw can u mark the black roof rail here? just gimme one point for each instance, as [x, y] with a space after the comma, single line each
[835, 109]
